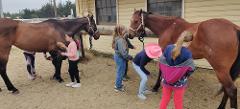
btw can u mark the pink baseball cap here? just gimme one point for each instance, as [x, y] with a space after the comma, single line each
[153, 50]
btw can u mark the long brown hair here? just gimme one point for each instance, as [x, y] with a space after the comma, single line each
[119, 31]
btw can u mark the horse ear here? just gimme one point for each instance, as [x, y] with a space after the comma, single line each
[90, 14]
[140, 12]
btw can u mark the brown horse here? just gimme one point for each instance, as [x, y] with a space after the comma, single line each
[31, 37]
[39, 37]
[71, 27]
[216, 40]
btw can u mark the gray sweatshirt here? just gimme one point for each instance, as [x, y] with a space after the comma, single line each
[121, 48]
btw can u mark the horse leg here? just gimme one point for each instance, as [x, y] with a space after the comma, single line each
[10, 87]
[224, 101]
[230, 90]
[158, 83]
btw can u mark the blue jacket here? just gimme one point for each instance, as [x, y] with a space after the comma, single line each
[141, 59]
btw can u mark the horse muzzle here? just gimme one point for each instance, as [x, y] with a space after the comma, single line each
[96, 35]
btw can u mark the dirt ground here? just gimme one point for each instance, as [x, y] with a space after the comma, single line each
[96, 92]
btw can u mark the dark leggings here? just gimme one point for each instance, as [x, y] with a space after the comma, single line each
[126, 70]
[73, 71]
[30, 58]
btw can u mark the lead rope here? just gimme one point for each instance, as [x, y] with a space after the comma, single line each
[141, 37]
[90, 38]
[143, 33]
[90, 43]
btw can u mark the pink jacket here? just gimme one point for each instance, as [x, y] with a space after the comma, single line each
[72, 52]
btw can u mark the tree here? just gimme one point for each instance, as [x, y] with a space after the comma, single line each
[46, 11]
[65, 10]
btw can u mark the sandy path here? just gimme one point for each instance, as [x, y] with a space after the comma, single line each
[97, 92]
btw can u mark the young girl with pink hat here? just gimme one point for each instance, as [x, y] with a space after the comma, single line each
[150, 52]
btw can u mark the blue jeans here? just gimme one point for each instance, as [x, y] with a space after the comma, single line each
[143, 77]
[121, 66]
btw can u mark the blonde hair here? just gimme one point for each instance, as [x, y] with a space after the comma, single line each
[186, 36]
[119, 31]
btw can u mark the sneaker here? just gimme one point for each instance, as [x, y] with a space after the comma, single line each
[147, 92]
[142, 97]
[125, 79]
[119, 89]
[70, 84]
[76, 85]
[116, 86]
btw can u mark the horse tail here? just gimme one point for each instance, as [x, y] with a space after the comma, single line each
[235, 69]
[234, 72]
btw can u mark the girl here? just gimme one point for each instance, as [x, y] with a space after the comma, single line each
[176, 65]
[73, 58]
[125, 76]
[150, 52]
[121, 54]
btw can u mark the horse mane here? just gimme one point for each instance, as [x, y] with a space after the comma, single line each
[67, 24]
[64, 21]
[170, 18]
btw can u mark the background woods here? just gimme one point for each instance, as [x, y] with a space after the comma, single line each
[46, 11]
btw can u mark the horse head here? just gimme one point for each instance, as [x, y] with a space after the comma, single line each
[137, 26]
[92, 27]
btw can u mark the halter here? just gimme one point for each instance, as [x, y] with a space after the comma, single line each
[141, 34]
[94, 32]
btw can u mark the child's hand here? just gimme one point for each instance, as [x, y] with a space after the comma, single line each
[156, 59]
[130, 58]
[62, 53]
[134, 48]
[49, 58]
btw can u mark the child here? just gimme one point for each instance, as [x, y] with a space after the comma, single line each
[73, 58]
[121, 54]
[125, 76]
[176, 65]
[150, 52]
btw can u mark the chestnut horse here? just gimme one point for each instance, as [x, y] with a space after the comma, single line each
[70, 27]
[216, 40]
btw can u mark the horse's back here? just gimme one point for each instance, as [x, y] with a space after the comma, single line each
[216, 38]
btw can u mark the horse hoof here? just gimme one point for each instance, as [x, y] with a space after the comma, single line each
[154, 90]
[0, 90]
[15, 92]
[60, 80]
